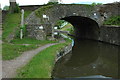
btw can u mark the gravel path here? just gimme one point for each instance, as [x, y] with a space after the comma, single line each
[9, 67]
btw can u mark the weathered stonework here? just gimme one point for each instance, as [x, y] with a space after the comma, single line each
[36, 32]
[87, 21]
[110, 34]
[63, 52]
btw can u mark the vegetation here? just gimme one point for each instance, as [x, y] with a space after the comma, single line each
[31, 41]
[114, 20]
[59, 23]
[16, 9]
[12, 21]
[52, 3]
[10, 51]
[39, 12]
[6, 8]
[42, 64]
[68, 27]
[94, 4]
[18, 46]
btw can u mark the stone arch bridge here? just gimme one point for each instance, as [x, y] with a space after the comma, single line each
[86, 19]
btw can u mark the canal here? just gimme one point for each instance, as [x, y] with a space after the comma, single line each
[88, 58]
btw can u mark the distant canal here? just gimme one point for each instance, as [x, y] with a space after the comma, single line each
[88, 58]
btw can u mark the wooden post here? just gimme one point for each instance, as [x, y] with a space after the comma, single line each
[22, 24]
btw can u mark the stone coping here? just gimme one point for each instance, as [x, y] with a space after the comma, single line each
[111, 26]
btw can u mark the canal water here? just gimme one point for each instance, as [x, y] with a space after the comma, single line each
[88, 59]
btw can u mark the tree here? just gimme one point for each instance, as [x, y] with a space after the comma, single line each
[17, 9]
[6, 8]
[53, 1]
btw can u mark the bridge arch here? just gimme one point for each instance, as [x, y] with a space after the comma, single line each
[84, 27]
[84, 16]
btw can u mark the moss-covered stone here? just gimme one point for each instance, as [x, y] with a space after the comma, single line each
[39, 12]
[114, 20]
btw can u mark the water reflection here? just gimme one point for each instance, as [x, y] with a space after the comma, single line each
[88, 58]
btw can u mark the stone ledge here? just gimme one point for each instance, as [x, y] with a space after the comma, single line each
[111, 25]
[63, 52]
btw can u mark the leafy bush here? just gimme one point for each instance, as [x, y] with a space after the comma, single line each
[18, 31]
[59, 23]
[6, 8]
[17, 9]
[114, 20]
[52, 3]
[94, 4]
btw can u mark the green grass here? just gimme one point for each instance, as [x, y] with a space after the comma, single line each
[42, 64]
[11, 51]
[11, 22]
[31, 41]
[68, 27]
[114, 20]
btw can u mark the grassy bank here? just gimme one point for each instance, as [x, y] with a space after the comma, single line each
[67, 27]
[31, 41]
[12, 21]
[15, 49]
[41, 65]
[11, 51]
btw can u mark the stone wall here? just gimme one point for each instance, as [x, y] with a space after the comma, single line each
[53, 13]
[33, 28]
[30, 7]
[110, 34]
[63, 52]
[4, 13]
[110, 9]
[36, 32]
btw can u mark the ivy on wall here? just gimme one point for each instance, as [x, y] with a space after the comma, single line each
[114, 20]
[39, 12]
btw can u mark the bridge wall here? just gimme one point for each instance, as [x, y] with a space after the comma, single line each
[54, 13]
[30, 7]
[110, 34]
